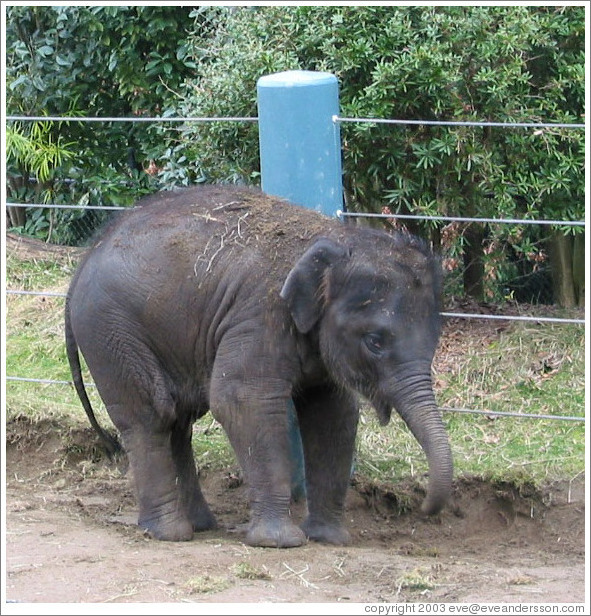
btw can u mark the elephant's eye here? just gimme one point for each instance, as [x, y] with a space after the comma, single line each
[374, 342]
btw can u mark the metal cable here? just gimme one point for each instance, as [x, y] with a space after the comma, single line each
[443, 408]
[38, 293]
[458, 315]
[53, 206]
[336, 118]
[499, 317]
[18, 118]
[342, 214]
[22, 379]
[457, 123]
[512, 414]
[512, 221]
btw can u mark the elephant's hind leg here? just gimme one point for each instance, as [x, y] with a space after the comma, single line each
[139, 397]
[197, 508]
[162, 510]
[146, 417]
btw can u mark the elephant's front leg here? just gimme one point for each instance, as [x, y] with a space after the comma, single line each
[257, 426]
[328, 425]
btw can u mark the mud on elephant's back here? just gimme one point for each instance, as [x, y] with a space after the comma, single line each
[241, 217]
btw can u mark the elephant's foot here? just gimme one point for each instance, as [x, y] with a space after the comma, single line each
[324, 532]
[203, 519]
[282, 533]
[167, 528]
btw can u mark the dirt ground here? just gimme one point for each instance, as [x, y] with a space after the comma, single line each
[71, 537]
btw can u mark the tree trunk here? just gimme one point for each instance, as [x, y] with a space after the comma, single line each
[567, 260]
[561, 263]
[474, 261]
[16, 216]
[579, 268]
[435, 237]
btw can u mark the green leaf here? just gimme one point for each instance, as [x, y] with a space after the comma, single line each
[45, 50]
[153, 64]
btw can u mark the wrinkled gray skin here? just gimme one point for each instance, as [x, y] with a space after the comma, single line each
[224, 299]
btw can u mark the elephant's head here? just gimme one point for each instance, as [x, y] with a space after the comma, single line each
[374, 299]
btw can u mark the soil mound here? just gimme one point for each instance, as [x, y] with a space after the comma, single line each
[71, 537]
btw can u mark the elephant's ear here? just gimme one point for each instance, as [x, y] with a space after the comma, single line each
[303, 287]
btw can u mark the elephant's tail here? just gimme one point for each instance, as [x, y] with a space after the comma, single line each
[112, 445]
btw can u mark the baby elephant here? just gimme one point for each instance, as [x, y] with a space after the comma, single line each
[224, 299]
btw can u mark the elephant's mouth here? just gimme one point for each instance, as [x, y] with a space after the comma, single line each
[384, 412]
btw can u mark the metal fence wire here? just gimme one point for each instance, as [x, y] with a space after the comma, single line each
[531, 283]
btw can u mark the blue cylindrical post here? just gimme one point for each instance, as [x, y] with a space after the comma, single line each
[300, 142]
[300, 150]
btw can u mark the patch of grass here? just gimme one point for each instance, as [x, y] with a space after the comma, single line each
[206, 584]
[40, 273]
[416, 579]
[35, 348]
[246, 571]
[34, 324]
[521, 580]
[211, 446]
[529, 368]
[39, 402]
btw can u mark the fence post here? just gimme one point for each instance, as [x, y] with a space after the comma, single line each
[300, 142]
[300, 151]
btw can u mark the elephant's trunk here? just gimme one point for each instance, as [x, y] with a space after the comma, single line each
[415, 403]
